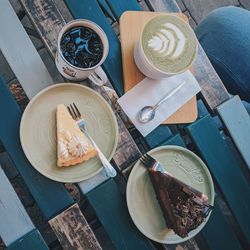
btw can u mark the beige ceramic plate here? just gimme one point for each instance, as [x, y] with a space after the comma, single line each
[38, 130]
[142, 204]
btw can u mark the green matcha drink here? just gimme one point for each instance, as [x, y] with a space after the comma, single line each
[169, 44]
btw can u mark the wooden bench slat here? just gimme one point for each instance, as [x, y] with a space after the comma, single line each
[164, 5]
[218, 233]
[118, 7]
[112, 212]
[51, 196]
[175, 140]
[237, 121]
[106, 9]
[73, 231]
[226, 239]
[33, 240]
[225, 169]
[158, 136]
[20, 52]
[89, 9]
[15, 222]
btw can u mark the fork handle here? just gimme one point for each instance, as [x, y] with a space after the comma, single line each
[110, 171]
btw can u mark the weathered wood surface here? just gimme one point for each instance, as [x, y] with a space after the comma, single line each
[51, 196]
[20, 52]
[225, 168]
[73, 231]
[127, 151]
[199, 11]
[237, 122]
[213, 91]
[110, 207]
[118, 7]
[50, 202]
[14, 221]
[226, 239]
[163, 5]
[47, 20]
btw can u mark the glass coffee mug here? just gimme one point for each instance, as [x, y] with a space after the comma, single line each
[73, 71]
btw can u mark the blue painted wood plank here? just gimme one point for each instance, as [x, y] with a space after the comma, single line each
[111, 209]
[90, 9]
[106, 9]
[237, 121]
[31, 241]
[14, 221]
[218, 233]
[118, 7]
[51, 196]
[158, 136]
[175, 140]
[225, 169]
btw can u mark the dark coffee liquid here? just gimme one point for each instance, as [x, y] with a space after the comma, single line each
[82, 47]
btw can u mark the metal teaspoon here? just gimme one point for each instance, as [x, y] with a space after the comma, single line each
[147, 113]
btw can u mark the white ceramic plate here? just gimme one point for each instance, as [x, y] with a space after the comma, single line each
[38, 130]
[141, 199]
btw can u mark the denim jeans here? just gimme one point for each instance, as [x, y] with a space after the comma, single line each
[225, 36]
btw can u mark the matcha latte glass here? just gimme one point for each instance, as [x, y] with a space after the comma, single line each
[167, 46]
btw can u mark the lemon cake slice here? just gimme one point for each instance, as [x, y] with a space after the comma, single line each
[73, 147]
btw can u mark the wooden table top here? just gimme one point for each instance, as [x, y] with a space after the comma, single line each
[48, 20]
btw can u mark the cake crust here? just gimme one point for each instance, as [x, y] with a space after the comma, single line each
[73, 147]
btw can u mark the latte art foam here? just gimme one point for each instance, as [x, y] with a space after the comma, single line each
[169, 43]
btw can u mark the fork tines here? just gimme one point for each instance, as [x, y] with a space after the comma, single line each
[148, 161]
[74, 111]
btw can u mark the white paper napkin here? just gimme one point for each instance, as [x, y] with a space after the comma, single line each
[149, 91]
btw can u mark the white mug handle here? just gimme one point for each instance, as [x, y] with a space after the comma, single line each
[98, 76]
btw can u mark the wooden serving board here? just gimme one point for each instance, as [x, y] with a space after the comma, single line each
[131, 25]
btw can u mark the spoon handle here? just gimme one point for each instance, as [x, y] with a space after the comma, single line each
[172, 92]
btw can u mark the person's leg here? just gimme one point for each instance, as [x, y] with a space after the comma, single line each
[225, 36]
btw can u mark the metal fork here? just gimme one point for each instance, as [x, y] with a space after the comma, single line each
[150, 162]
[76, 115]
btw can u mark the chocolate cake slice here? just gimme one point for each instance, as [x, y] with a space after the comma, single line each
[184, 208]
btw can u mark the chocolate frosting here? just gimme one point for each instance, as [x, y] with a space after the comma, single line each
[184, 208]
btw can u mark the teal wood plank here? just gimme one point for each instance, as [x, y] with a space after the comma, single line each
[20, 52]
[106, 9]
[51, 196]
[111, 209]
[31, 241]
[158, 136]
[175, 140]
[237, 121]
[118, 7]
[225, 169]
[89, 9]
[14, 221]
[218, 233]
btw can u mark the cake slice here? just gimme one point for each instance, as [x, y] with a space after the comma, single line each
[184, 208]
[73, 147]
